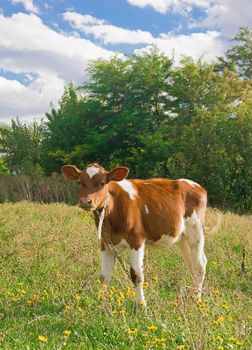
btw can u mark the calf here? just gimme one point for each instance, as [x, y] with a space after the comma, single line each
[134, 213]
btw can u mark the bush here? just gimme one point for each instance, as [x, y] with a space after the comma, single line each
[39, 189]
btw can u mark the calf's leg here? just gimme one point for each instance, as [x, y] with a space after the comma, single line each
[185, 251]
[195, 237]
[107, 263]
[136, 273]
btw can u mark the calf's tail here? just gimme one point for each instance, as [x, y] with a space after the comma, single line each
[217, 219]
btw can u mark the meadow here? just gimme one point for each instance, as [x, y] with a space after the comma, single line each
[51, 298]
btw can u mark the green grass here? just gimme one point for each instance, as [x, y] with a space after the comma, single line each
[47, 252]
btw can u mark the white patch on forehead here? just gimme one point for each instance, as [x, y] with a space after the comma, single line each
[146, 209]
[190, 182]
[92, 170]
[127, 186]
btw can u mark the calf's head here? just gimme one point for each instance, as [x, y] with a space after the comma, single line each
[93, 181]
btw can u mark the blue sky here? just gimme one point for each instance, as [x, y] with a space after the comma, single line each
[44, 44]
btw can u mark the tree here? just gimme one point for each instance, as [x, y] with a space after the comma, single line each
[239, 57]
[20, 145]
[105, 118]
[212, 136]
[190, 121]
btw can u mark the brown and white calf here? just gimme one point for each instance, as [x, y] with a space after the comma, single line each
[133, 213]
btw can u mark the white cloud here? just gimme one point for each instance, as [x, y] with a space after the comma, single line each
[228, 16]
[164, 6]
[28, 5]
[28, 102]
[29, 46]
[197, 45]
[225, 15]
[107, 33]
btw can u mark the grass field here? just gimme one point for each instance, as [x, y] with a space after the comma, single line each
[47, 252]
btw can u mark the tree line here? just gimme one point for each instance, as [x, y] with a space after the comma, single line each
[190, 120]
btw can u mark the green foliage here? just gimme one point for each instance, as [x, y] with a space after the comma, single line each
[20, 145]
[188, 121]
[3, 167]
[213, 135]
[239, 57]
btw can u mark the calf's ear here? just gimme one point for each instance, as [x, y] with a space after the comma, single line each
[118, 174]
[70, 172]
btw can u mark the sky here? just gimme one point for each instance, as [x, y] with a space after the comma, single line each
[45, 44]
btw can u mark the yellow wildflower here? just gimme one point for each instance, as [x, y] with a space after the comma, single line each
[232, 340]
[152, 328]
[128, 293]
[68, 308]
[132, 331]
[42, 339]
[152, 343]
[101, 296]
[142, 304]
[122, 312]
[219, 320]
[230, 319]
[121, 295]
[21, 291]
[145, 285]
[221, 347]
[144, 334]
[200, 304]
[180, 347]
[77, 297]
[249, 317]
[29, 302]
[155, 278]
[219, 338]
[226, 307]
[67, 332]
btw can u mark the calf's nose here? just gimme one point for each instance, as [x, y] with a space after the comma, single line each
[85, 203]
